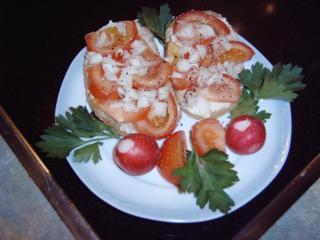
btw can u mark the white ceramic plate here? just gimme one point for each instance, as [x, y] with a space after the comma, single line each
[150, 196]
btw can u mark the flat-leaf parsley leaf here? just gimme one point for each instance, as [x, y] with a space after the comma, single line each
[78, 130]
[207, 177]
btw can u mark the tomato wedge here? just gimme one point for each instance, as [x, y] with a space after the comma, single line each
[156, 77]
[108, 40]
[122, 116]
[98, 86]
[173, 155]
[160, 129]
[240, 52]
[201, 17]
[228, 91]
[208, 134]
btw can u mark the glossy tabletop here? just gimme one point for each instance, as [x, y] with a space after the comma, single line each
[39, 39]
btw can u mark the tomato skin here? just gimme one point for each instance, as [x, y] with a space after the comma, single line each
[136, 154]
[239, 53]
[173, 155]
[147, 128]
[123, 42]
[156, 77]
[180, 83]
[208, 134]
[202, 17]
[228, 91]
[245, 134]
[98, 86]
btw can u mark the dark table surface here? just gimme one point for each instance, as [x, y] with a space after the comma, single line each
[39, 39]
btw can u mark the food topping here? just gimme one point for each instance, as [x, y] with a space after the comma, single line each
[128, 82]
[173, 155]
[203, 48]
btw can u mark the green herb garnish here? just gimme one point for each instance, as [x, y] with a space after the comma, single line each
[207, 177]
[156, 21]
[78, 130]
[281, 83]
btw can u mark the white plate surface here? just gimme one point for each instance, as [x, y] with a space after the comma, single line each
[150, 196]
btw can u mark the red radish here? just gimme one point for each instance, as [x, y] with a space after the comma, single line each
[136, 154]
[245, 134]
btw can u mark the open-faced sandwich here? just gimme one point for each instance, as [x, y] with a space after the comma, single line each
[206, 57]
[127, 82]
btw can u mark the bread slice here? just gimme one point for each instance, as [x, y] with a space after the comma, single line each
[132, 58]
[186, 38]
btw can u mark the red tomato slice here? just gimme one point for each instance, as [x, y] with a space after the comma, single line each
[227, 91]
[240, 52]
[98, 86]
[150, 55]
[180, 83]
[114, 39]
[208, 59]
[160, 129]
[156, 77]
[201, 17]
[189, 80]
[173, 155]
[122, 116]
[208, 134]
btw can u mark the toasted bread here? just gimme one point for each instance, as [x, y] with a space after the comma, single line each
[129, 60]
[180, 36]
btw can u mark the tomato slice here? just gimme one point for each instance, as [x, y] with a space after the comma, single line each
[227, 91]
[98, 86]
[201, 17]
[240, 52]
[208, 59]
[150, 55]
[113, 41]
[208, 134]
[120, 115]
[156, 77]
[180, 83]
[160, 129]
[173, 155]
[187, 82]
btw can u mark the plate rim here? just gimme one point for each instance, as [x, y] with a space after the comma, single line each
[284, 154]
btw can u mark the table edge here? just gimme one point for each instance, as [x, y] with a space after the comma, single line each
[79, 227]
[67, 211]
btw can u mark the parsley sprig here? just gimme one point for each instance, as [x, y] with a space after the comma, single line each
[78, 130]
[207, 177]
[156, 21]
[281, 83]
